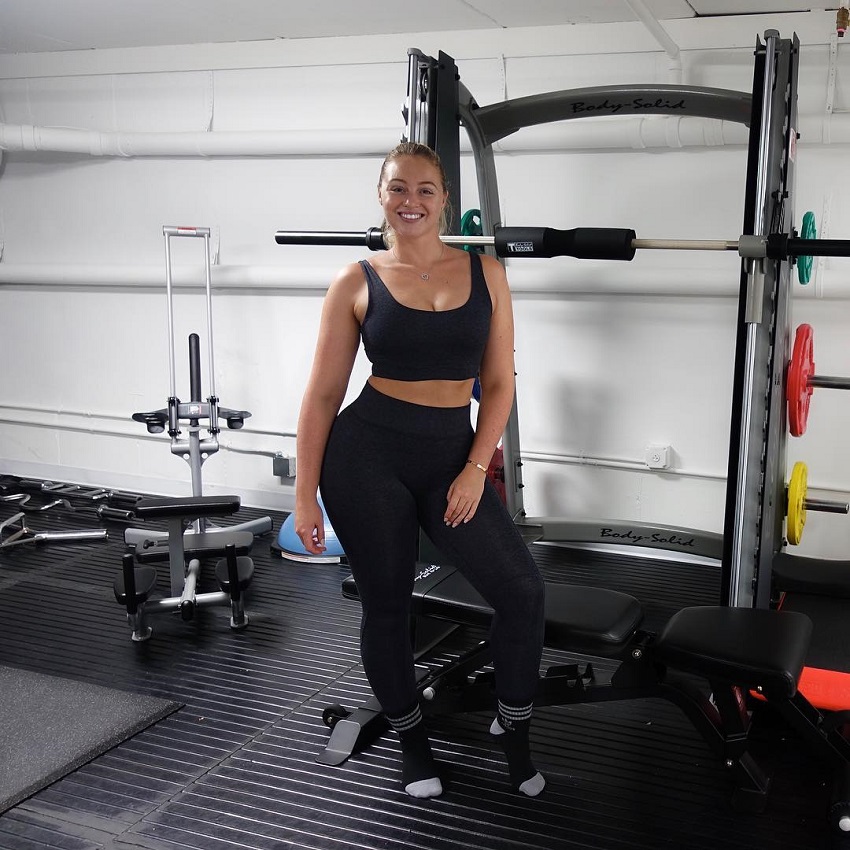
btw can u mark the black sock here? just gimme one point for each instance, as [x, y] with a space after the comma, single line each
[419, 773]
[515, 721]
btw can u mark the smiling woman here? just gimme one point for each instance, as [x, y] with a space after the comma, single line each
[404, 455]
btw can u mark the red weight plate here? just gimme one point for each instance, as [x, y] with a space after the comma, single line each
[797, 389]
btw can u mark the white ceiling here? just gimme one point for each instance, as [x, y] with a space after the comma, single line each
[35, 26]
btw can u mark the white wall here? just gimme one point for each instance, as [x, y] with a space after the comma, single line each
[610, 356]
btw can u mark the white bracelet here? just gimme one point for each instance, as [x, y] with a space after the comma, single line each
[478, 465]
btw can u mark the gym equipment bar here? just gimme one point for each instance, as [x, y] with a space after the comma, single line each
[588, 243]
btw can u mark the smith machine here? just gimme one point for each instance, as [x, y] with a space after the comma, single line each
[438, 104]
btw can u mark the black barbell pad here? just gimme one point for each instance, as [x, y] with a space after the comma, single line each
[585, 243]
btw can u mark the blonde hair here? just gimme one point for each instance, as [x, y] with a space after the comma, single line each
[426, 153]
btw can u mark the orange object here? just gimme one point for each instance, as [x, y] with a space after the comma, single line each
[825, 689]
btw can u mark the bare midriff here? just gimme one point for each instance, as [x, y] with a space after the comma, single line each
[428, 393]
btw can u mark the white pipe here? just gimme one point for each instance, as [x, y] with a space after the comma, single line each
[611, 133]
[588, 134]
[622, 464]
[645, 16]
[348, 141]
[242, 277]
[552, 278]
[649, 20]
[115, 417]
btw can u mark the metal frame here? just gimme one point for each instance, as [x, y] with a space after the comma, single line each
[755, 489]
[194, 449]
[756, 492]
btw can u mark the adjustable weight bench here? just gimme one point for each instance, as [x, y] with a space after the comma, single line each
[184, 551]
[740, 655]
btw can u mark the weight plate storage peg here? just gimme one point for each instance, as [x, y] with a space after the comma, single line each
[798, 388]
[796, 518]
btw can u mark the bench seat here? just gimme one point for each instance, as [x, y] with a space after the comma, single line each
[749, 647]
[578, 618]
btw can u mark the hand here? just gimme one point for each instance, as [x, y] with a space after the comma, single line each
[464, 496]
[310, 527]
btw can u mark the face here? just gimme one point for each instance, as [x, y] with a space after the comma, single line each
[412, 195]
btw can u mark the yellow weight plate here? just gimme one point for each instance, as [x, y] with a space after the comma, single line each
[797, 487]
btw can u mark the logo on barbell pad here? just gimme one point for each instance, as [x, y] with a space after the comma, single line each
[521, 247]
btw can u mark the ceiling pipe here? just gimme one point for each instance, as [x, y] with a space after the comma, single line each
[610, 133]
[590, 134]
[643, 14]
[26, 137]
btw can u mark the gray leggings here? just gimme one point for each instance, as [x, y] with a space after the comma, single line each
[387, 469]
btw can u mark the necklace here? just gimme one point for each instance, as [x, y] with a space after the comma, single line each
[422, 275]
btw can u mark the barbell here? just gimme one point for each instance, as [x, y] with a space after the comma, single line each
[600, 243]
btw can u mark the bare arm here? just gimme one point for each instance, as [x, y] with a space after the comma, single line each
[336, 348]
[497, 395]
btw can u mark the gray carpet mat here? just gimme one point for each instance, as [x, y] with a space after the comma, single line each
[51, 726]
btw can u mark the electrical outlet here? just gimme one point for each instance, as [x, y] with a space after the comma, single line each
[657, 457]
[283, 466]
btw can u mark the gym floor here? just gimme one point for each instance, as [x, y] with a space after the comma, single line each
[235, 767]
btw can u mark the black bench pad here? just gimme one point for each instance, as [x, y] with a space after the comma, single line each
[578, 618]
[750, 647]
[189, 506]
[207, 544]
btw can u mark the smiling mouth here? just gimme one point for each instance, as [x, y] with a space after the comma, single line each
[410, 216]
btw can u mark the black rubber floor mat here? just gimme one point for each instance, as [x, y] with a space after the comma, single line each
[52, 725]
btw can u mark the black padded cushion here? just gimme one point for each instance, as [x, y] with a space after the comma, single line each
[750, 647]
[577, 617]
[145, 578]
[189, 506]
[795, 574]
[244, 572]
[590, 618]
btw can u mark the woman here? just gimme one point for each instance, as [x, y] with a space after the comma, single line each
[404, 455]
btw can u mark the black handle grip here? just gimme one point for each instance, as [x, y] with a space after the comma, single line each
[585, 243]
[194, 367]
